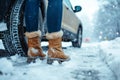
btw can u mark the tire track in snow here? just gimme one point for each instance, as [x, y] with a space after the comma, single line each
[89, 64]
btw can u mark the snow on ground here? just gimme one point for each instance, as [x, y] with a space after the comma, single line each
[94, 61]
[110, 54]
[1, 45]
[1, 26]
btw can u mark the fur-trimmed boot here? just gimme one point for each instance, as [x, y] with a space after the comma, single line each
[55, 51]
[34, 46]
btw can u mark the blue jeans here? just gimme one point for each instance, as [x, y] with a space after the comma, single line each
[54, 15]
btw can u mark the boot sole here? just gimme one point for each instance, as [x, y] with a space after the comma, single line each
[51, 60]
[29, 60]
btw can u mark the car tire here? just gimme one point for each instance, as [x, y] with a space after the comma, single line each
[11, 36]
[3, 53]
[78, 41]
[14, 39]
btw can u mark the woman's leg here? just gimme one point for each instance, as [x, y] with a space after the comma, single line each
[32, 33]
[54, 15]
[31, 15]
[54, 35]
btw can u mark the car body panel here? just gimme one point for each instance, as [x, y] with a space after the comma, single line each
[70, 21]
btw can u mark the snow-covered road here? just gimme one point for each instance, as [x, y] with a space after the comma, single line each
[94, 61]
[85, 64]
[90, 65]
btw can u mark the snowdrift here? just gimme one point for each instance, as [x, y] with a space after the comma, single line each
[110, 54]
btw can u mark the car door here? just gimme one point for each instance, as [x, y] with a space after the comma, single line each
[70, 21]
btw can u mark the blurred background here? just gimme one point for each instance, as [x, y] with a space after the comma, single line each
[100, 18]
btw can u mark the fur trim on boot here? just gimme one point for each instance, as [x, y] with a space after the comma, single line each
[54, 35]
[33, 34]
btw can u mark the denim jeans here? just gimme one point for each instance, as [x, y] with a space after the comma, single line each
[54, 15]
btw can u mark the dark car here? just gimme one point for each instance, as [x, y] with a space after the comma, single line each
[13, 14]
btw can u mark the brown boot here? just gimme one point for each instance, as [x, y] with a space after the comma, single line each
[55, 51]
[34, 46]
